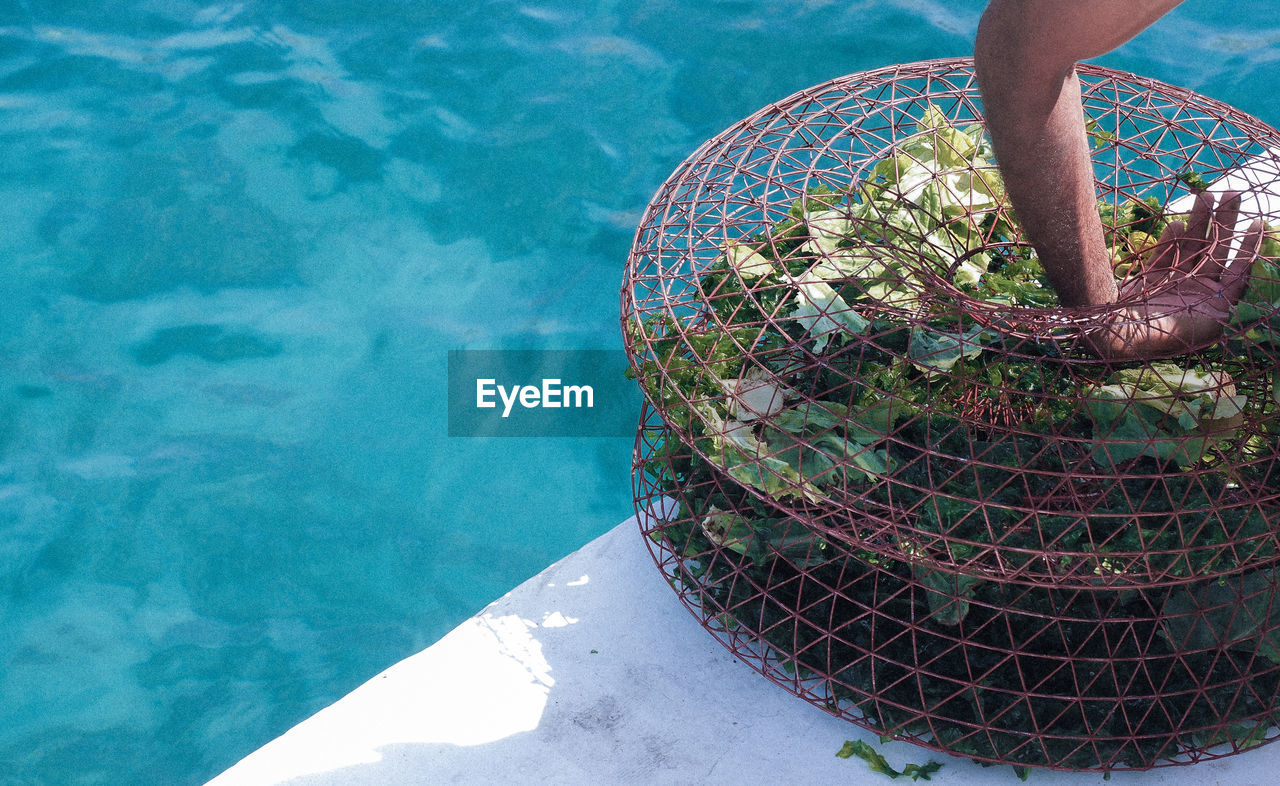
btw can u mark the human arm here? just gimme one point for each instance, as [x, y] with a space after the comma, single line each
[1025, 56]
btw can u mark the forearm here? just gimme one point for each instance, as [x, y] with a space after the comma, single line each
[1025, 57]
[1044, 160]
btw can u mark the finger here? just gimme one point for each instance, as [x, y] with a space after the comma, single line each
[1201, 215]
[1249, 246]
[1165, 255]
[1248, 251]
[1235, 277]
[1223, 228]
[1191, 247]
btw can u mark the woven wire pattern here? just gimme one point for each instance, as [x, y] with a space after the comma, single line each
[1076, 679]
[915, 498]
[1012, 454]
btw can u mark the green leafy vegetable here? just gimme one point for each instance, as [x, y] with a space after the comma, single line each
[749, 263]
[1241, 612]
[1194, 180]
[879, 764]
[1164, 411]
[949, 593]
[1100, 137]
[822, 311]
[749, 460]
[934, 350]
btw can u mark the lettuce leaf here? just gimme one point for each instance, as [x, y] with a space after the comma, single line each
[878, 763]
[1163, 411]
[948, 594]
[822, 311]
[935, 350]
[1240, 612]
[749, 263]
[824, 438]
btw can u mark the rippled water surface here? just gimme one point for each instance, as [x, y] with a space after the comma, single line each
[237, 241]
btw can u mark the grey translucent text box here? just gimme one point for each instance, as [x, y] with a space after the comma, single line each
[541, 393]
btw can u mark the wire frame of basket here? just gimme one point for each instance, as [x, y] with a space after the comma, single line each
[1075, 678]
[832, 301]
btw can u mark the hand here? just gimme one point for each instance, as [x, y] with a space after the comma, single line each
[1183, 296]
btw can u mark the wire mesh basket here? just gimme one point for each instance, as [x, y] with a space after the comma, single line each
[1077, 678]
[833, 302]
[900, 479]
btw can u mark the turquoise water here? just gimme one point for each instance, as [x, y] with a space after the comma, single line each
[238, 241]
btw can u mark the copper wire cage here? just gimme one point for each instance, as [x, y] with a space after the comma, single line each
[867, 413]
[1075, 678]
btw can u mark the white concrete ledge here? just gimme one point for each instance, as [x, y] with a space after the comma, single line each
[593, 673]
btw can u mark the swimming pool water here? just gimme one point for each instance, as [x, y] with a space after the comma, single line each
[238, 240]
